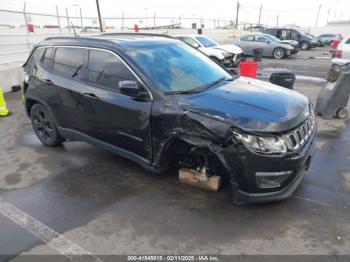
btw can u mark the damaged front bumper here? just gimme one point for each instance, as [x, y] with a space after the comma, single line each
[286, 172]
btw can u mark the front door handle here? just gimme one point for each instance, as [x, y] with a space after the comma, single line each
[48, 81]
[91, 96]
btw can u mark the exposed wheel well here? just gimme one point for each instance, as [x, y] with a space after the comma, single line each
[179, 149]
[29, 104]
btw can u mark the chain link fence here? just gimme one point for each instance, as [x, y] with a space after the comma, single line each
[20, 30]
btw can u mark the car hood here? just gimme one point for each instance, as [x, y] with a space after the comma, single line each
[290, 42]
[251, 105]
[233, 49]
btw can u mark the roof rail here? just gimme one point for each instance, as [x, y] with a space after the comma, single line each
[135, 34]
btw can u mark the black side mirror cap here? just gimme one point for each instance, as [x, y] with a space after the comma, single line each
[129, 88]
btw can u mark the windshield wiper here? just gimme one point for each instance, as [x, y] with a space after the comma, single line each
[200, 88]
[191, 91]
[207, 86]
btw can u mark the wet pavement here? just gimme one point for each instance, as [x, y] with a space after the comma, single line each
[105, 204]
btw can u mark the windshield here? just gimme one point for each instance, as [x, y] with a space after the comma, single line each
[300, 32]
[174, 67]
[272, 38]
[207, 42]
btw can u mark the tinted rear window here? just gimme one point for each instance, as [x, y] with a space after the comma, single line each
[68, 61]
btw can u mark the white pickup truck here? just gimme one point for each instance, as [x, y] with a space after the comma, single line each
[342, 54]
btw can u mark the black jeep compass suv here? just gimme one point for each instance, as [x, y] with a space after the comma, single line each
[158, 102]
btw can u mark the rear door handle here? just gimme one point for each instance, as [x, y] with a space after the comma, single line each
[48, 81]
[91, 96]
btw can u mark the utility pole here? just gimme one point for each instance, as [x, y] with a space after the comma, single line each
[25, 16]
[318, 13]
[58, 19]
[277, 21]
[123, 21]
[329, 10]
[260, 15]
[99, 15]
[68, 23]
[154, 20]
[237, 13]
[81, 18]
[146, 18]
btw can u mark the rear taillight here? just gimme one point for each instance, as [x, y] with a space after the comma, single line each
[338, 53]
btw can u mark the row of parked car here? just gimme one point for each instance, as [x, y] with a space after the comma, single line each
[273, 42]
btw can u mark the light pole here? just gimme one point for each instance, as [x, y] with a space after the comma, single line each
[99, 15]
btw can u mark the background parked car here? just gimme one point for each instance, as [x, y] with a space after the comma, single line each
[320, 43]
[305, 41]
[327, 39]
[228, 55]
[342, 54]
[293, 43]
[270, 46]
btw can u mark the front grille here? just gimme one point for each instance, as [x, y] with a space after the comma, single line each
[300, 135]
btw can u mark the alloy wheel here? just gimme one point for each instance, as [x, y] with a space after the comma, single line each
[43, 125]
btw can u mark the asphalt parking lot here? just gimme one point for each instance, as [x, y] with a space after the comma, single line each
[78, 199]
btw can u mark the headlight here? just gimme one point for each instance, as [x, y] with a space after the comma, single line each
[226, 54]
[260, 144]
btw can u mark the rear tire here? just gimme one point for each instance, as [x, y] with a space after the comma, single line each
[279, 53]
[305, 46]
[44, 126]
[342, 113]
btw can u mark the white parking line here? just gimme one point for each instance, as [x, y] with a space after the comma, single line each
[314, 57]
[53, 239]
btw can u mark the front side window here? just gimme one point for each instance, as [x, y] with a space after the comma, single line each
[206, 42]
[190, 41]
[176, 67]
[68, 61]
[247, 38]
[260, 39]
[295, 35]
[106, 70]
[272, 38]
[271, 32]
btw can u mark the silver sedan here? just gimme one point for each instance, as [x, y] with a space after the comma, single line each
[270, 46]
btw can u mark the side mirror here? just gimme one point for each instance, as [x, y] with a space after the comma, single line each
[130, 88]
[268, 42]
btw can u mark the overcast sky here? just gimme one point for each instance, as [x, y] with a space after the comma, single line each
[299, 12]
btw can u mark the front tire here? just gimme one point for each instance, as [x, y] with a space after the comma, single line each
[279, 53]
[44, 126]
[342, 113]
[305, 46]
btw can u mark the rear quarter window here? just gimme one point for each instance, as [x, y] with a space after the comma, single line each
[68, 61]
[48, 57]
[347, 41]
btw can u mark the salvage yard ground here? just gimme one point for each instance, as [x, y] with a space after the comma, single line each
[78, 199]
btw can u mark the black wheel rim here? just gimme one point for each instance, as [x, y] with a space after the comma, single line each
[42, 125]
